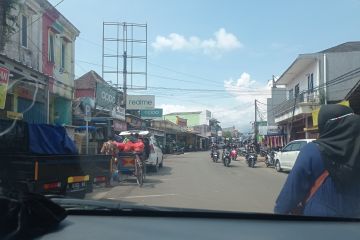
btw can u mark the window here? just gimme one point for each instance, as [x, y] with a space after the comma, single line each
[295, 146]
[51, 52]
[311, 82]
[297, 90]
[63, 54]
[291, 94]
[302, 144]
[287, 148]
[24, 31]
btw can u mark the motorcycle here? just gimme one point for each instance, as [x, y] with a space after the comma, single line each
[251, 159]
[270, 159]
[226, 158]
[215, 155]
[233, 154]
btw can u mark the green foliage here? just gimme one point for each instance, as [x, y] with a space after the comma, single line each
[6, 18]
[227, 134]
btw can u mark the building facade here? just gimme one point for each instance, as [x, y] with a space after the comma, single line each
[314, 79]
[193, 118]
[41, 68]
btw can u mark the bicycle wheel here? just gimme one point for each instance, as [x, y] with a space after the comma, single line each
[139, 173]
[144, 170]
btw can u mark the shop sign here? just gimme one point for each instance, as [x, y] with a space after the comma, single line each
[261, 123]
[155, 113]
[181, 121]
[14, 115]
[274, 130]
[140, 102]
[4, 80]
[106, 96]
[119, 126]
[118, 113]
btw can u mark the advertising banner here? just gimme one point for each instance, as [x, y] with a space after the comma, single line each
[181, 121]
[106, 96]
[140, 102]
[155, 113]
[118, 113]
[4, 80]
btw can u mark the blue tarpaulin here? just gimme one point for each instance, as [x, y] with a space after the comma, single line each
[49, 139]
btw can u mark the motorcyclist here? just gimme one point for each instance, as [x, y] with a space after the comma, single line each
[227, 146]
[214, 148]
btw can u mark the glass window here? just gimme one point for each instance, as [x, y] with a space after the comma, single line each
[302, 144]
[311, 82]
[24, 31]
[297, 90]
[287, 148]
[63, 54]
[291, 94]
[296, 146]
[51, 48]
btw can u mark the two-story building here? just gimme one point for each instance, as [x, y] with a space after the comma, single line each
[58, 48]
[314, 79]
[39, 56]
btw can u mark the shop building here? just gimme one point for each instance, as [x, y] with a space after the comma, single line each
[39, 59]
[104, 101]
[314, 79]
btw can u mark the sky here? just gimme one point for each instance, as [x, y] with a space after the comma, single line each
[225, 51]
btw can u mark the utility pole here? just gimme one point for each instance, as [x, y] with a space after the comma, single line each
[255, 123]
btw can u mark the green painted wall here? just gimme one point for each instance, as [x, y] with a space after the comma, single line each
[193, 119]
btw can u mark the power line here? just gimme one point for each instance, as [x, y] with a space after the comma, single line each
[185, 74]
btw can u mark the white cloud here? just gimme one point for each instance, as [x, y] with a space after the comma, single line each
[222, 42]
[239, 114]
[245, 90]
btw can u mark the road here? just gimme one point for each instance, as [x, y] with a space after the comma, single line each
[192, 180]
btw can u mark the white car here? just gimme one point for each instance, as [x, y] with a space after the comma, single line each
[156, 158]
[285, 159]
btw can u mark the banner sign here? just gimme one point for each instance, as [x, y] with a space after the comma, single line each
[106, 96]
[140, 102]
[4, 80]
[182, 122]
[155, 113]
[118, 113]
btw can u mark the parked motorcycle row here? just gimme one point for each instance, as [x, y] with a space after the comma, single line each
[250, 156]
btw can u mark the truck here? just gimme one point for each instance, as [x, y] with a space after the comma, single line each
[41, 158]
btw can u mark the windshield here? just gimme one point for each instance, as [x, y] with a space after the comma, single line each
[183, 104]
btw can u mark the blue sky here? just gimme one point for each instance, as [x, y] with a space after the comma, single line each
[215, 41]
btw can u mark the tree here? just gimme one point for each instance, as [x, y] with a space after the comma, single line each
[6, 21]
[227, 134]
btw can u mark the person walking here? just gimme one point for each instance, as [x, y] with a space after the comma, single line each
[325, 180]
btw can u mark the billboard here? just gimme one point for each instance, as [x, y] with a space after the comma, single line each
[4, 80]
[140, 102]
[106, 96]
[155, 113]
[182, 122]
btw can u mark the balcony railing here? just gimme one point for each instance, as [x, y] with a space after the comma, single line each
[304, 98]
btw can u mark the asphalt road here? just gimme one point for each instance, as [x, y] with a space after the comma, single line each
[192, 180]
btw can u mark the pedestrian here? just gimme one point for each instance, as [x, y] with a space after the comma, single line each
[325, 180]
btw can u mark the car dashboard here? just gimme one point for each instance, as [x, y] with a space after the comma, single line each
[201, 226]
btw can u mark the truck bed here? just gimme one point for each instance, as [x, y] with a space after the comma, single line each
[34, 171]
